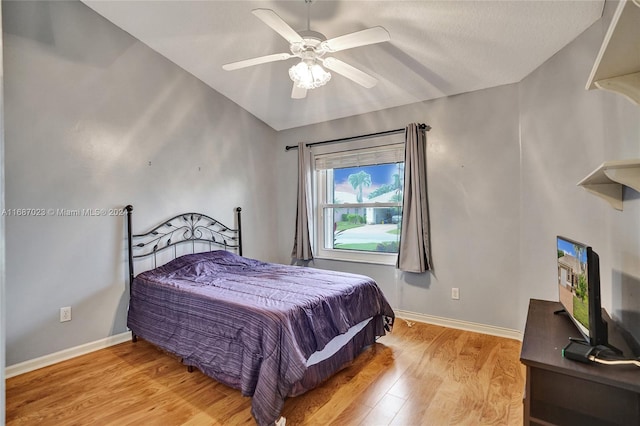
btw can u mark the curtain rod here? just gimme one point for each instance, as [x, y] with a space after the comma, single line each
[421, 126]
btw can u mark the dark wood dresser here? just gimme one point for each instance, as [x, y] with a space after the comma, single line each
[560, 391]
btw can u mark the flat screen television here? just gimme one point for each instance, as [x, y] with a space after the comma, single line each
[579, 289]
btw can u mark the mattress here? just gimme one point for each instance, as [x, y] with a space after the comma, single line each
[256, 326]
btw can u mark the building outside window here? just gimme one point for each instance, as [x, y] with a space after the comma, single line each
[358, 211]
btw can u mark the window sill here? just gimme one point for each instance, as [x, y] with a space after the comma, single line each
[370, 258]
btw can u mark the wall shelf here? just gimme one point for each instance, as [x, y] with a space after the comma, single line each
[617, 67]
[607, 180]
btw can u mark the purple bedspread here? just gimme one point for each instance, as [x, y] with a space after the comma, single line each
[250, 324]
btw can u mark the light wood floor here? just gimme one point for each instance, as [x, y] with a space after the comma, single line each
[418, 375]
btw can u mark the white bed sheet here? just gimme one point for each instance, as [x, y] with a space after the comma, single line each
[336, 343]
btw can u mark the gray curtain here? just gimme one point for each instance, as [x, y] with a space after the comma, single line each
[302, 241]
[414, 252]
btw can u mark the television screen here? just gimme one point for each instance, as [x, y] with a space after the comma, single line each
[573, 282]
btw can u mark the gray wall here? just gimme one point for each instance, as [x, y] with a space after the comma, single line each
[2, 237]
[566, 133]
[96, 119]
[474, 221]
[503, 166]
[474, 191]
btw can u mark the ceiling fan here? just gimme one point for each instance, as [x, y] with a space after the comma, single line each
[311, 47]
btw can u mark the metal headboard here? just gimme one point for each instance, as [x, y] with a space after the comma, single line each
[184, 228]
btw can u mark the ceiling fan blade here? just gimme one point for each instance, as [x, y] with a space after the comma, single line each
[256, 61]
[298, 92]
[359, 38]
[272, 19]
[350, 72]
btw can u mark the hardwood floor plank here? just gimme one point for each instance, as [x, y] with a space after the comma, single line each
[420, 374]
[414, 410]
[384, 412]
[498, 402]
[352, 415]
[380, 386]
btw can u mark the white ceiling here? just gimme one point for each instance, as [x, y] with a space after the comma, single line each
[437, 48]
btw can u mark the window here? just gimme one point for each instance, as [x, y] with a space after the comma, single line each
[359, 203]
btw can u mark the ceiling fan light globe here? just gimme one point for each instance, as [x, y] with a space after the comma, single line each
[319, 75]
[309, 76]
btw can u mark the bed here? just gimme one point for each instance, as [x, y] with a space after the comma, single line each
[272, 331]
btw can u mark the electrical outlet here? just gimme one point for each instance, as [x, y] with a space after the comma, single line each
[65, 314]
[455, 293]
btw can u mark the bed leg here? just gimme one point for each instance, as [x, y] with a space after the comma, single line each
[189, 367]
[134, 338]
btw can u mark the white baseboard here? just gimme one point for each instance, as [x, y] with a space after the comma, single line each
[461, 325]
[46, 360]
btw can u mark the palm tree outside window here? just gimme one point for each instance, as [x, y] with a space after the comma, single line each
[358, 211]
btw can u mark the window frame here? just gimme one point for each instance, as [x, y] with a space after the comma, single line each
[320, 191]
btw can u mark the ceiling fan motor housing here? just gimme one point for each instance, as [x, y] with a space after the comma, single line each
[312, 45]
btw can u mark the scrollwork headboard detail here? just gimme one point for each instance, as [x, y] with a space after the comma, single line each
[184, 228]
